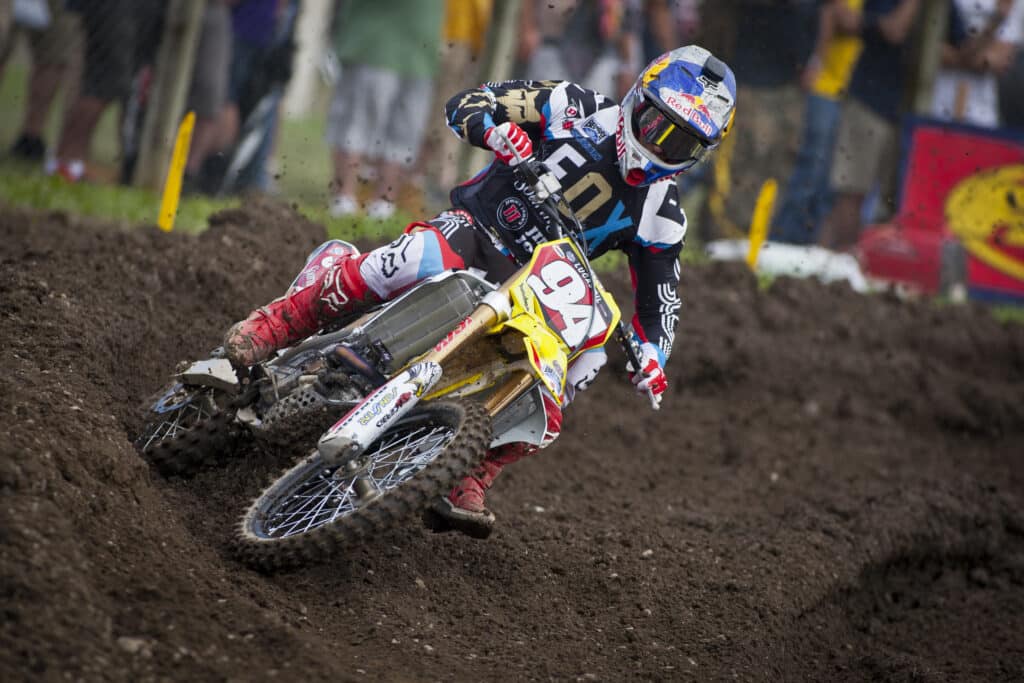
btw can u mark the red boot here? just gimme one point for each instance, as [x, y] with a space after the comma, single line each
[332, 292]
[463, 508]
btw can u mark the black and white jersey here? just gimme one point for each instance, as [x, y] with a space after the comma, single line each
[573, 131]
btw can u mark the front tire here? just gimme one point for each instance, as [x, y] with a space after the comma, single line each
[314, 510]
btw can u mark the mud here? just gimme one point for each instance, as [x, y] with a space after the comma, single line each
[832, 491]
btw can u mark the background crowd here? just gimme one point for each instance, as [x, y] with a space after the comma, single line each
[824, 87]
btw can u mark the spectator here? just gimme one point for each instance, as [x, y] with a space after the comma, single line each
[253, 24]
[1011, 93]
[772, 42]
[595, 44]
[209, 89]
[465, 27]
[389, 54]
[668, 24]
[266, 85]
[115, 32]
[866, 144]
[260, 66]
[6, 25]
[984, 36]
[825, 78]
[56, 59]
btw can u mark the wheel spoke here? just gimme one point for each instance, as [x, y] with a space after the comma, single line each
[316, 497]
[322, 499]
[182, 418]
[308, 496]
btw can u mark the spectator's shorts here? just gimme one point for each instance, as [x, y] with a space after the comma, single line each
[378, 114]
[865, 150]
[246, 58]
[209, 89]
[116, 31]
[61, 42]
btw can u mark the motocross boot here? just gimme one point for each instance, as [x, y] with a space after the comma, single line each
[331, 292]
[463, 508]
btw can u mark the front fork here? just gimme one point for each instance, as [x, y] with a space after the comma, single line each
[352, 434]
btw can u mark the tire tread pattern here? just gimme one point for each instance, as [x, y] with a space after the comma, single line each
[206, 443]
[393, 508]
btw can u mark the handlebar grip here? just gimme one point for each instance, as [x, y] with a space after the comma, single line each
[632, 351]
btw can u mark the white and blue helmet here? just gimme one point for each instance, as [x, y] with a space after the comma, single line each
[680, 107]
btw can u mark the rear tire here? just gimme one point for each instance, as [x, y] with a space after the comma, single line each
[312, 511]
[187, 428]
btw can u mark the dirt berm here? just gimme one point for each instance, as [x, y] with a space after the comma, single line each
[832, 491]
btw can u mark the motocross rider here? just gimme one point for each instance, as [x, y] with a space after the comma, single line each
[614, 163]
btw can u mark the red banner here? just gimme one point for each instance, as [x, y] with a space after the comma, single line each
[961, 213]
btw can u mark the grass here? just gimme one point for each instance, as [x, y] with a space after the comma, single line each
[1008, 314]
[25, 186]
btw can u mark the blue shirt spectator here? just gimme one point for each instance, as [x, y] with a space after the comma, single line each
[878, 78]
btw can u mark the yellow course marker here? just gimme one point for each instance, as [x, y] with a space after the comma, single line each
[762, 217]
[721, 187]
[175, 173]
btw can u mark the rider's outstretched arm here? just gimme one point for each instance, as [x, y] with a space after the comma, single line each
[472, 112]
[654, 267]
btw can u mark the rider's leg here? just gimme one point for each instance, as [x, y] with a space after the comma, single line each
[347, 285]
[463, 508]
[318, 295]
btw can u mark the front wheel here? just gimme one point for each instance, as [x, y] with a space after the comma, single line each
[314, 510]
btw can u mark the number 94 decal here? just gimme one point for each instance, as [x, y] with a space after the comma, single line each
[563, 288]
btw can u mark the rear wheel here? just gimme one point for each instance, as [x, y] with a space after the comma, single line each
[313, 510]
[187, 427]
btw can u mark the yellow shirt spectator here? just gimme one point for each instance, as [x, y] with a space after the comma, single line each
[841, 54]
[466, 22]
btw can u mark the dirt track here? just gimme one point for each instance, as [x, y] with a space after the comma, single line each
[832, 491]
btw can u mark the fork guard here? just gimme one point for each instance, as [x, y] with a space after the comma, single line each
[352, 435]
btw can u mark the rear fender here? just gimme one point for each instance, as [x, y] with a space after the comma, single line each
[214, 372]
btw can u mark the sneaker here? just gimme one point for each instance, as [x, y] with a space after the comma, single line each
[71, 171]
[29, 148]
[443, 516]
[343, 205]
[380, 209]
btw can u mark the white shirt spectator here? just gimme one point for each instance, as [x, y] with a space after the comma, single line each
[968, 96]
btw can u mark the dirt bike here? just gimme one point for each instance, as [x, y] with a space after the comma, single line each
[393, 407]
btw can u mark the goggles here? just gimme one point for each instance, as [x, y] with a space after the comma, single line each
[672, 144]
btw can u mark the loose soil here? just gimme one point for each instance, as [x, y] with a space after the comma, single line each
[831, 491]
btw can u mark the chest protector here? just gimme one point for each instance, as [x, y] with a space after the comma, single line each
[506, 207]
[586, 165]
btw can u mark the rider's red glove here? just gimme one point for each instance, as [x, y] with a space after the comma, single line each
[652, 376]
[507, 139]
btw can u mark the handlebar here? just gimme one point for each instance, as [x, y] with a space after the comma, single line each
[632, 350]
